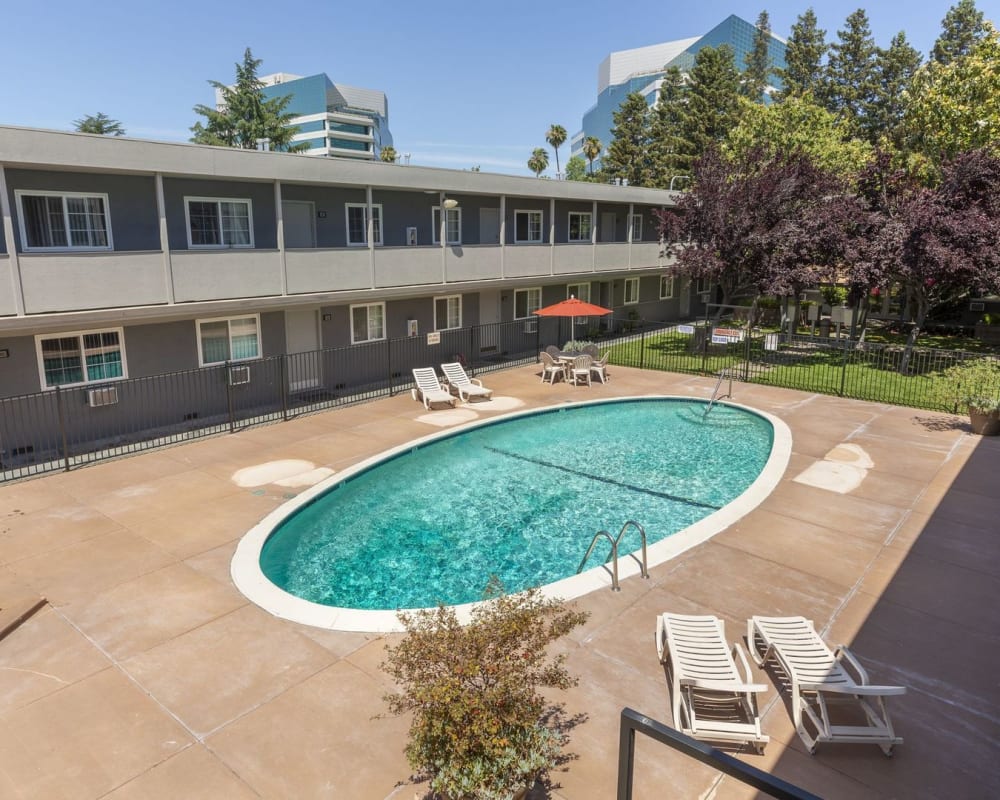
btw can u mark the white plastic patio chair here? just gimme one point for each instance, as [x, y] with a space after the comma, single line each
[820, 681]
[459, 381]
[599, 366]
[551, 368]
[428, 388]
[580, 369]
[712, 701]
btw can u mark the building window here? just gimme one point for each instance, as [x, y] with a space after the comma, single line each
[581, 291]
[357, 224]
[63, 221]
[228, 339]
[453, 219]
[527, 226]
[218, 222]
[448, 312]
[631, 291]
[367, 322]
[75, 359]
[579, 226]
[527, 302]
[666, 287]
[636, 220]
[704, 285]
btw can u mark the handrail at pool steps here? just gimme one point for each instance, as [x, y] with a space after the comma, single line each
[723, 374]
[632, 721]
[613, 555]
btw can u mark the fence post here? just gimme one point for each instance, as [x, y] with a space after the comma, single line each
[642, 348]
[538, 338]
[471, 360]
[60, 410]
[843, 369]
[388, 363]
[746, 356]
[227, 376]
[283, 377]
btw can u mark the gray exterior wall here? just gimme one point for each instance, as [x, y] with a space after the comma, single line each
[261, 196]
[330, 201]
[131, 202]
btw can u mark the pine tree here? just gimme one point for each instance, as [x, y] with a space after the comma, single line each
[245, 116]
[896, 68]
[804, 55]
[961, 28]
[628, 153]
[99, 123]
[757, 75]
[850, 80]
[713, 94]
[668, 152]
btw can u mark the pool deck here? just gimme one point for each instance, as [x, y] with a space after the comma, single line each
[150, 676]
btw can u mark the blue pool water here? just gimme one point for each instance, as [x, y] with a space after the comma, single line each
[519, 498]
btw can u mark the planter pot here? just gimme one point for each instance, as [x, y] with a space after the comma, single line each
[985, 424]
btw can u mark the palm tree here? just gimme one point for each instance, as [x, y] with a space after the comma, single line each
[388, 154]
[99, 123]
[539, 161]
[556, 137]
[592, 149]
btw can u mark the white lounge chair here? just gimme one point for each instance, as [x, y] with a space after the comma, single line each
[711, 700]
[819, 681]
[428, 388]
[458, 380]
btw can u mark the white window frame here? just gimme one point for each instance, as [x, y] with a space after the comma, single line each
[376, 227]
[541, 226]
[39, 338]
[448, 299]
[528, 304]
[367, 306]
[102, 196]
[574, 290]
[450, 213]
[590, 227]
[636, 222]
[668, 281]
[633, 282]
[217, 201]
[229, 320]
[704, 285]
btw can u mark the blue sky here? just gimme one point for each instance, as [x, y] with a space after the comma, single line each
[469, 83]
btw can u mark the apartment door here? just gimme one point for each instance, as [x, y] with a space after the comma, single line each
[489, 319]
[302, 340]
[489, 226]
[300, 223]
[608, 226]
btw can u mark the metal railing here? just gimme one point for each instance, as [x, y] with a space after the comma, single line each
[633, 722]
[613, 555]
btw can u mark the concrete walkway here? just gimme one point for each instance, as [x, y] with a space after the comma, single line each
[149, 676]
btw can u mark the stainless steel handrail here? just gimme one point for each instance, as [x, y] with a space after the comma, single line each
[613, 555]
[725, 372]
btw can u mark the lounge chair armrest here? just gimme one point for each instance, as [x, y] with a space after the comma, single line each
[723, 686]
[741, 657]
[661, 638]
[476, 381]
[866, 690]
[842, 654]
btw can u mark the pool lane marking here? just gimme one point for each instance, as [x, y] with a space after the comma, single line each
[612, 481]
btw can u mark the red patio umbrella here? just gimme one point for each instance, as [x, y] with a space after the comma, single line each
[573, 307]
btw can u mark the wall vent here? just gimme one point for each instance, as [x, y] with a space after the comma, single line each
[105, 396]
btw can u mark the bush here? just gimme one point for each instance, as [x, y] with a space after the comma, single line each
[970, 384]
[481, 729]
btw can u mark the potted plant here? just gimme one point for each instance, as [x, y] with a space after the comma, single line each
[973, 385]
[481, 728]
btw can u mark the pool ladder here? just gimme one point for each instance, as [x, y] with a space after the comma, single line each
[613, 555]
[725, 372]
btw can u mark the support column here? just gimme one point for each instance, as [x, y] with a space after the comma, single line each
[503, 234]
[370, 233]
[593, 237]
[279, 219]
[552, 236]
[17, 286]
[628, 232]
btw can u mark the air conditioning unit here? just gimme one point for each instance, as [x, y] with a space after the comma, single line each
[105, 396]
[803, 296]
[239, 375]
[977, 306]
[531, 326]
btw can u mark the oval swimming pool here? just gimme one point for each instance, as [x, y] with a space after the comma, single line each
[519, 498]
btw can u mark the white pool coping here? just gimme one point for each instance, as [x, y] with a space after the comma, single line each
[251, 581]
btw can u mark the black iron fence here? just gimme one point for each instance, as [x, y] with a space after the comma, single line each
[64, 428]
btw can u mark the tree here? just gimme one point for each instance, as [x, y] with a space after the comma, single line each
[388, 154]
[764, 225]
[895, 69]
[849, 83]
[480, 727]
[713, 100]
[757, 74]
[804, 54]
[99, 123]
[668, 152]
[955, 106]
[628, 154]
[962, 27]
[245, 116]
[576, 169]
[556, 137]
[539, 161]
[591, 150]
[797, 124]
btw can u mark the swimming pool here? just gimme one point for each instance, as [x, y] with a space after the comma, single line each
[519, 497]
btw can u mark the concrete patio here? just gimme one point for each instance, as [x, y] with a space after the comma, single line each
[150, 676]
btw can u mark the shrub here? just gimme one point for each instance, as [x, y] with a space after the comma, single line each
[481, 730]
[973, 384]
